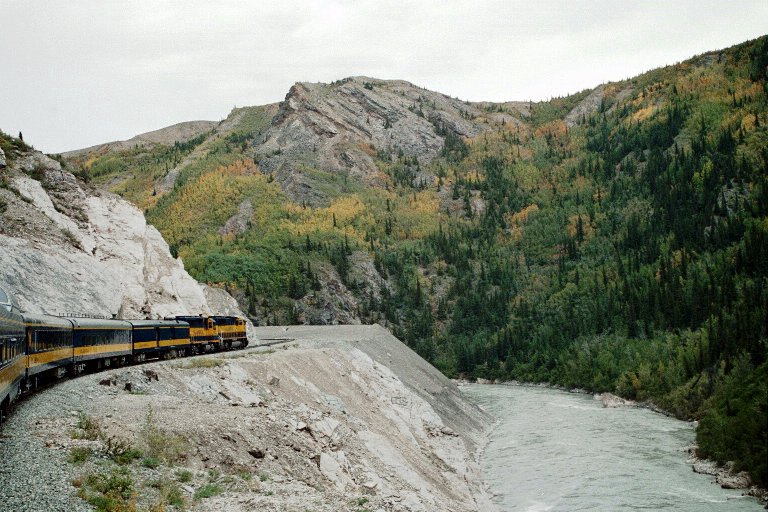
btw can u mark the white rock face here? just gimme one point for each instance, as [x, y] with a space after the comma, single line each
[32, 190]
[65, 248]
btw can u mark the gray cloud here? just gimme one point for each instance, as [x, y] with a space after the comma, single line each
[82, 72]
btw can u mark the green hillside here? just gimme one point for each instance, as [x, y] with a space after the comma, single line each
[625, 250]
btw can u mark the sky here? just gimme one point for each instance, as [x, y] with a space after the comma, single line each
[81, 72]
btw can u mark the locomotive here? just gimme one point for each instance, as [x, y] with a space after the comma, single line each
[35, 349]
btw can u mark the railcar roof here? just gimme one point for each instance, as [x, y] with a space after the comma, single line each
[157, 323]
[46, 320]
[192, 319]
[97, 323]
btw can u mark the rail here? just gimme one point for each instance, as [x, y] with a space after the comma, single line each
[85, 315]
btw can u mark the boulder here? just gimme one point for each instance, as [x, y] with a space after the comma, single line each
[610, 400]
[739, 480]
[334, 467]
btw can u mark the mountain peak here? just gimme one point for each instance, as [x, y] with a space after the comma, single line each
[342, 127]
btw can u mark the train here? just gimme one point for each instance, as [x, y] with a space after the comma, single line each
[37, 349]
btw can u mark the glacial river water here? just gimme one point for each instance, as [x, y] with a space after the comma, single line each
[558, 451]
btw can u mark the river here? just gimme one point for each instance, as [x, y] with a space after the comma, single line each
[558, 451]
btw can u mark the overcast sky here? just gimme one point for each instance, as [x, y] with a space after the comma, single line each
[80, 72]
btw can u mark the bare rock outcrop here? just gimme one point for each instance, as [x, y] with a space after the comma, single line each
[610, 400]
[332, 304]
[238, 223]
[67, 248]
[725, 476]
[338, 129]
[586, 107]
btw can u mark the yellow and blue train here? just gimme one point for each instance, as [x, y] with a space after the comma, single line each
[35, 349]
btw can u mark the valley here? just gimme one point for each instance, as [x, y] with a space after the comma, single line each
[612, 240]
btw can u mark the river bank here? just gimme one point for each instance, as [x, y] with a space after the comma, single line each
[723, 476]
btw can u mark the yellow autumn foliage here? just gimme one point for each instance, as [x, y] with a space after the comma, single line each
[207, 202]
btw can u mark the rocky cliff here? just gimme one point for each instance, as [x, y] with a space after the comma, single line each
[66, 247]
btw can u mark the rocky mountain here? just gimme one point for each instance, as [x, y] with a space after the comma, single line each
[321, 132]
[180, 132]
[66, 247]
[343, 126]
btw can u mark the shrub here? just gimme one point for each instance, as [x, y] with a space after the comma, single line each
[90, 428]
[121, 451]
[79, 454]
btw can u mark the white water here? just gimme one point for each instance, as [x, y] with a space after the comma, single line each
[558, 451]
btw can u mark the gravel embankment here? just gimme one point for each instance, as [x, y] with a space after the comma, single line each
[34, 474]
[337, 418]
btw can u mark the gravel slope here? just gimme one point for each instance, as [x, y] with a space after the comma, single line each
[333, 418]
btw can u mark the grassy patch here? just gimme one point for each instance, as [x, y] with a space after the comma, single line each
[207, 491]
[108, 492]
[150, 462]
[170, 494]
[184, 475]
[79, 454]
[203, 362]
[162, 446]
